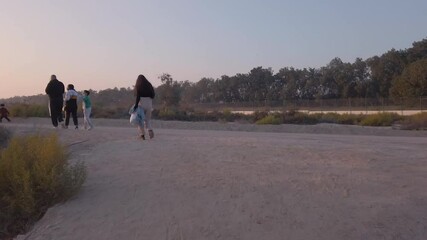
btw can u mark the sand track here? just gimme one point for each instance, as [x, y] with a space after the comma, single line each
[201, 184]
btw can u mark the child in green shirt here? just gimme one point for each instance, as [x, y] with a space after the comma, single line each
[87, 109]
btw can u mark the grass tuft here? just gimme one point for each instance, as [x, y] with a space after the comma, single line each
[34, 175]
[415, 122]
[270, 119]
[380, 119]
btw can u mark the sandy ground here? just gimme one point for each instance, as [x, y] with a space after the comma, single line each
[240, 181]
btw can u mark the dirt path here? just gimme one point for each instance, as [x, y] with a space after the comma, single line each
[198, 184]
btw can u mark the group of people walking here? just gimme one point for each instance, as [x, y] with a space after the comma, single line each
[60, 100]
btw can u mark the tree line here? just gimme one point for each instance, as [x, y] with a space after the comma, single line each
[394, 74]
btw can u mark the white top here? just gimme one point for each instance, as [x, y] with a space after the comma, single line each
[71, 94]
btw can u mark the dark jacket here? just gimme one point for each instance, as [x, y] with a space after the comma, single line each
[3, 112]
[55, 89]
[147, 90]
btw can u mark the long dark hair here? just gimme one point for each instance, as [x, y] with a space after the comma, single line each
[141, 83]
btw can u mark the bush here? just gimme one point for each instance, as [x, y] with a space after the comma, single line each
[182, 115]
[258, 115]
[346, 118]
[271, 119]
[351, 119]
[415, 122]
[27, 110]
[294, 117]
[171, 114]
[34, 175]
[380, 119]
[326, 117]
[228, 116]
[105, 112]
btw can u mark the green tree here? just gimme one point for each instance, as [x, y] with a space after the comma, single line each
[412, 82]
[337, 80]
[362, 79]
[288, 79]
[169, 92]
[205, 90]
[418, 51]
[384, 69]
[310, 83]
[188, 93]
[259, 81]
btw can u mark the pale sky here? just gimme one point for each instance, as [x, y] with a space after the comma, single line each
[106, 44]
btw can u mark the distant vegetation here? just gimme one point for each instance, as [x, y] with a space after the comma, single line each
[398, 77]
[34, 175]
[418, 121]
[29, 110]
[395, 74]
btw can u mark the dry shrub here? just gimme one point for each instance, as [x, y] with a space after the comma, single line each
[258, 115]
[380, 119]
[34, 175]
[351, 119]
[295, 117]
[270, 119]
[415, 122]
[326, 117]
[29, 110]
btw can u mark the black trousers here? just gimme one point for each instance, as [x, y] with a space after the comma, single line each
[71, 112]
[56, 111]
[1, 118]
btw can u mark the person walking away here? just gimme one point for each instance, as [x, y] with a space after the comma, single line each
[55, 90]
[87, 109]
[4, 113]
[71, 106]
[144, 93]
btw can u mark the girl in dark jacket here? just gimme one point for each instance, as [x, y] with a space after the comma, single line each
[144, 93]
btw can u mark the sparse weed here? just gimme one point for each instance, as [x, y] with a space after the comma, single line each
[34, 175]
[270, 119]
[415, 122]
[380, 119]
